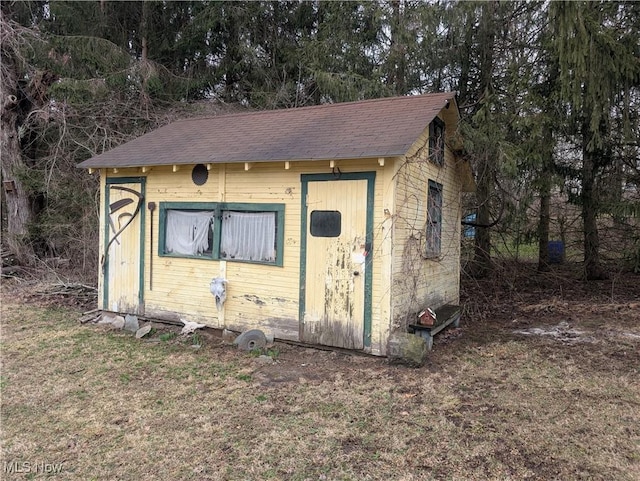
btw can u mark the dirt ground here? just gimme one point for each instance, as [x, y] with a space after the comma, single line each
[541, 381]
[515, 302]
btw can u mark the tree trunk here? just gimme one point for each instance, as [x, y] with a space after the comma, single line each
[486, 167]
[232, 57]
[482, 249]
[543, 227]
[592, 268]
[18, 210]
[465, 58]
[545, 200]
[397, 51]
[18, 207]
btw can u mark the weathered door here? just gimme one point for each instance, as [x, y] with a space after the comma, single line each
[336, 283]
[122, 260]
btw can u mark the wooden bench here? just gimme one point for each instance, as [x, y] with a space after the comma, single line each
[445, 316]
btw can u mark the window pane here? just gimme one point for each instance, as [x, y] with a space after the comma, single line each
[189, 232]
[434, 220]
[436, 141]
[249, 236]
[326, 223]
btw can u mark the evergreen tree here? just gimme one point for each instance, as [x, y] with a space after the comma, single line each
[81, 77]
[598, 51]
[344, 53]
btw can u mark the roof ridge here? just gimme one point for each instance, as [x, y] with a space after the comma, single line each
[316, 107]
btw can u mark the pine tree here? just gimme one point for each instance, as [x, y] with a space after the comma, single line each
[598, 55]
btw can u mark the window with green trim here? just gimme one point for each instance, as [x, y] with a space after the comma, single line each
[434, 220]
[227, 231]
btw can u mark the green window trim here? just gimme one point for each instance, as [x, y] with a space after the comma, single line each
[218, 208]
[433, 230]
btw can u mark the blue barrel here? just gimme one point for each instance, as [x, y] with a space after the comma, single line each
[556, 252]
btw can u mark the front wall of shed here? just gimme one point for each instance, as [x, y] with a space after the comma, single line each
[419, 282]
[258, 296]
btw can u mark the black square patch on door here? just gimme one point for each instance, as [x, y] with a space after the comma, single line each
[326, 223]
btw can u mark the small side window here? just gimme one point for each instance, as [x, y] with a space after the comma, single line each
[434, 220]
[436, 141]
[326, 223]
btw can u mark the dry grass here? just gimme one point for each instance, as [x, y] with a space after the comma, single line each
[489, 404]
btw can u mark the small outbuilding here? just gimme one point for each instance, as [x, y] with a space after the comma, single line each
[334, 224]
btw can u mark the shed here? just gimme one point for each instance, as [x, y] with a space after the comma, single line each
[331, 225]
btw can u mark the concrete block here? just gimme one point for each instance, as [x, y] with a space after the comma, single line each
[405, 348]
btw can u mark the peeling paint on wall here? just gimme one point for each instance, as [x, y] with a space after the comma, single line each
[255, 299]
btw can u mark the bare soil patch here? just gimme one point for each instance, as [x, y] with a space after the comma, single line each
[490, 403]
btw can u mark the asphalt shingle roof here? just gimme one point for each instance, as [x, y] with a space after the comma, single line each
[372, 128]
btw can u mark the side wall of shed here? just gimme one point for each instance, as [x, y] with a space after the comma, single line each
[418, 281]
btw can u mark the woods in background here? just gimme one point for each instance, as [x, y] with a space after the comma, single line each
[549, 93]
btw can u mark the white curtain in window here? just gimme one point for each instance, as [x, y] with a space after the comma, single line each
[188, 231]
[248, 236]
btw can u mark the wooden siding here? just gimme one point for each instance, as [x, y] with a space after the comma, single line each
[123, 235]
[420, 282]
[267, 296]
[258, 296]
[335, 314]
[101, 245]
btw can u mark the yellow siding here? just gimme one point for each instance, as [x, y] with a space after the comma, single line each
[258, 296]
[419, 282]
[267, 297]
[384, 247]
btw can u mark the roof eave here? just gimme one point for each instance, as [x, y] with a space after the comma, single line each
[92, 164]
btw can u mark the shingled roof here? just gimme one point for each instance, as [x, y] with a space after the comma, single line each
[372, 128]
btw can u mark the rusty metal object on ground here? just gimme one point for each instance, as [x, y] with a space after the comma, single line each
[250, 340]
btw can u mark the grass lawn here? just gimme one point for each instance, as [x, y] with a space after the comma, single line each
[84, 402]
